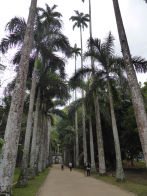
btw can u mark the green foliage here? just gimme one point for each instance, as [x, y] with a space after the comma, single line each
[1, 144]
[80, 19]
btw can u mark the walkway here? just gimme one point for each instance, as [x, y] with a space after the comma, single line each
[66, 183]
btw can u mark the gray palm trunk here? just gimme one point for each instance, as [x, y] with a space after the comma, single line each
[23, 178]
[101, 155]
[41, 148]
[48, 143]
[138, 103]
[77, 140]
[76, 129]
[119, 168]
[102, 166]
[45, 157]
[38, 142]
[12, 132]
[93, 168]
[34, 139]
[83, 108]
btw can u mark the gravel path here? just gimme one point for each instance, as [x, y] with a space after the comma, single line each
[66, 183]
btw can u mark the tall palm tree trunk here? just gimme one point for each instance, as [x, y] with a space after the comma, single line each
[102, 166]
[12, 132]
[41, 148]
[93, 168]
[119, 168]
[83, 108]
[76, 128]
[34, 138]
[49, 133]
[23, 178]
[77, 139]
[38, 143]
[138, 104]
[101, 155]
[90, 19]
[45, 144]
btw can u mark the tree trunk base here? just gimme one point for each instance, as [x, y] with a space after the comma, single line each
[31, 174]
[7, 192]
[103, 174]
[93, 169]
[23, 179]
[120, 176]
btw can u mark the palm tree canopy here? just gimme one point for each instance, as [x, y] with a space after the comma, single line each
[76, 50]
[80, 19]
[47, 31]
[50, 16]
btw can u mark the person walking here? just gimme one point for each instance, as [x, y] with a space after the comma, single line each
[62, 166]
[88, 168]
[70, 166]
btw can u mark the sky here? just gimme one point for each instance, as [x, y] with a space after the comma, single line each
[134, 13]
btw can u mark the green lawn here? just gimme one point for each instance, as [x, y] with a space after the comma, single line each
[137, 188]
[33, 185]
[16, 175]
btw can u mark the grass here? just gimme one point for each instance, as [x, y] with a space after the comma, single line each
[16, 175]
[33, 185]
[137, 188]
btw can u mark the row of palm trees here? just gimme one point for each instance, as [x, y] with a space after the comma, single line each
[99, 51]
[43, 46]
[47, 83]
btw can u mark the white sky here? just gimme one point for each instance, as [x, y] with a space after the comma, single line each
[134, 13]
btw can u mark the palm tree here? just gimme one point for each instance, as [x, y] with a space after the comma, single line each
[89, 106]
[101, 155]
[50, 24]
[80, 21]
[103, 53]
[10, 146]
[34, 138]
[76, 52]
[60, 42]
[138, 103]
[51, 86]
[93, 166]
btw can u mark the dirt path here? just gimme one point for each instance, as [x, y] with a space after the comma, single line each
[66, 183]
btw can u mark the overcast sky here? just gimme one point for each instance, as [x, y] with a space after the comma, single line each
[134, 13]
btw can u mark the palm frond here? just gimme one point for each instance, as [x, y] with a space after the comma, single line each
[76, 79]
[140, 64]
[109, 44]
[16, 25]
[74, 106]
[58, 112]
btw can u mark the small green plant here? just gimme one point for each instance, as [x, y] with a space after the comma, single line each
[1, 144]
